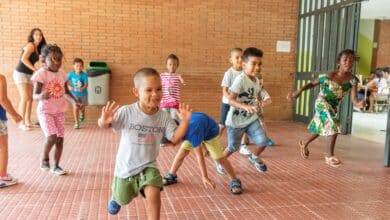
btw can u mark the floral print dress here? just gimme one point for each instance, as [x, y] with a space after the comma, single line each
[325, 121]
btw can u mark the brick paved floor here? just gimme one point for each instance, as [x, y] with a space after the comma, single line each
[292, 188]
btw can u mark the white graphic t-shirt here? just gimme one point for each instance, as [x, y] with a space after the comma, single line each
[140, 138]
[247, 92]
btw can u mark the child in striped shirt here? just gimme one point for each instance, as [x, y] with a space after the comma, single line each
[171, 81]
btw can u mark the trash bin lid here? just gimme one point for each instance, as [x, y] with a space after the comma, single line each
[99, 66]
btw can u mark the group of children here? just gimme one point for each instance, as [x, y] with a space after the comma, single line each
[158, 113]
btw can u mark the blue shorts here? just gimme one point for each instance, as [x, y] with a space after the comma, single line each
[255, 132]
[224, 111]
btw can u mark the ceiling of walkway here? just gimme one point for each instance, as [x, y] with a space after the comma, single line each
[375, 9]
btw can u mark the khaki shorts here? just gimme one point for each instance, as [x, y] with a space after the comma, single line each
[213, 146]
[3, 127]
[125, 190]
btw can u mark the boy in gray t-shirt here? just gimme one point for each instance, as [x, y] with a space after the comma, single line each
[242, 117]
[142, 125]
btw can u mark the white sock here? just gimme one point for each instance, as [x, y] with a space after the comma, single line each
[254, 156]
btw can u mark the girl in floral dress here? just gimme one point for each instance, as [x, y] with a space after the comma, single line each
[50, 89]
[333, 87]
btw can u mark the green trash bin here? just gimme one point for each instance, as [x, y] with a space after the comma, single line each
[98, 83]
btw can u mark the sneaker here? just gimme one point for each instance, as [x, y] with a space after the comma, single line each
[45, 165]
[259, 164]
[76, 126]
[7, 180]
[58, 171]
[270, 143]
[82, 118]
[113, 207]
[219, 168]
[244, 150]
[169, 179]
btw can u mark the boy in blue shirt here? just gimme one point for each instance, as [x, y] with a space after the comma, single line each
[203, 129]
[77, 84]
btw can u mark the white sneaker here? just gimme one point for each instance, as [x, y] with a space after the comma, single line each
[219, 168]
[7, 180]
[244, 150]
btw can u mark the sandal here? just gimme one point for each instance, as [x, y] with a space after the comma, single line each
[303, 149]
[169, 179]
[235, 187]
[332, 161]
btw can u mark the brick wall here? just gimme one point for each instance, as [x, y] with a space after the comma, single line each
[134, 34]
[383, 50]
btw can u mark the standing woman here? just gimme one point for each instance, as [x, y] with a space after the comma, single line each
[23, 72]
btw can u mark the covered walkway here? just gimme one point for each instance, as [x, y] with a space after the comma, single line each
[292, 188]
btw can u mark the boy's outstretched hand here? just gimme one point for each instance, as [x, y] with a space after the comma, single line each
[108, 113]
[184, 112]
[208, 183]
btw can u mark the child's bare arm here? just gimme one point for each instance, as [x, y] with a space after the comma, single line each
[355, 101]
[264, 98]
[182, 80]
[108, 114]
[233, 102]
[69, 86]
[69, 96]
[84, 87]
[202, 166]
[184, 113]
[225, 91]
[38, 94]
[5, 102]
[296, 94]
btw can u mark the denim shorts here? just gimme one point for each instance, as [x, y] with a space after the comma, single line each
[255, 132]
[3, 127]
[224, 111]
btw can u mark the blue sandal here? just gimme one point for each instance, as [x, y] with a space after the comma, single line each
[169, 179]
[235, 187]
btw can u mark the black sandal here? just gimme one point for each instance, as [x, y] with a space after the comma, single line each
[234, 186]
[169, 179]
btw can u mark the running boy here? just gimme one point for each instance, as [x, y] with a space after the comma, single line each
[77, 84]
[203, 129]
[242, 117]
[227, 81]
[142, 125]
[5, 106]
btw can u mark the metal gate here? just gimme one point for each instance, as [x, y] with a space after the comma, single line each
[325, 27]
